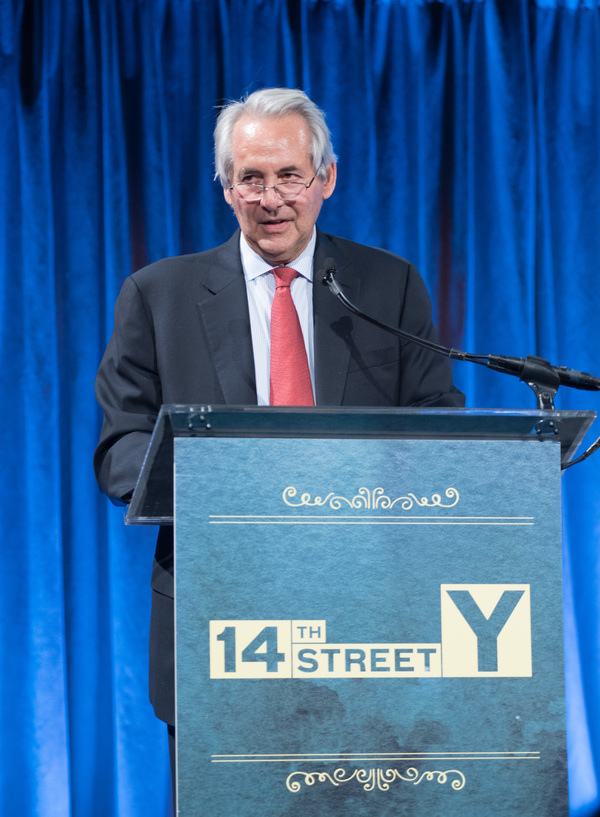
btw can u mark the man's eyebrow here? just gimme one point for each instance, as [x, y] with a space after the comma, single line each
[253, 171]
[249, 171]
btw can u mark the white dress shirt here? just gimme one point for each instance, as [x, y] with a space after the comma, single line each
[260, 287]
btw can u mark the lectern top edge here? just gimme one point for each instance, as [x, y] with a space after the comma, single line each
[152, 502]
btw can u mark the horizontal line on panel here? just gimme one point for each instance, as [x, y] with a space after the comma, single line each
[370, 756]
[363, 521]
[340, 516]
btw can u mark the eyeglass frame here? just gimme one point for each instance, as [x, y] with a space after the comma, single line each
[266, 187]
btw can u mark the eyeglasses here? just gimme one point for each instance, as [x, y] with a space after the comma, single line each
[288, 191]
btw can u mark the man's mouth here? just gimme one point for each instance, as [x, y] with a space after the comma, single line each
[275, 224]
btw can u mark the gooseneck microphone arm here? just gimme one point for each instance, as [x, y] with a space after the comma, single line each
[540, 375]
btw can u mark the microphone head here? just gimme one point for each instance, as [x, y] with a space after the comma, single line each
[327, 271]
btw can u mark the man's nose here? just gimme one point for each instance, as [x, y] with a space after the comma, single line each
[270, 198]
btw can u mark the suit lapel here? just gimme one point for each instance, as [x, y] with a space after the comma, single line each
[224, 314]
[333, 323]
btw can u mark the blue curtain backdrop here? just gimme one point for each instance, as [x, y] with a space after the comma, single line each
[468, 136]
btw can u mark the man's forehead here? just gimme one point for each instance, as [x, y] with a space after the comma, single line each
[248, 126]
[271, 144]
[252, 130]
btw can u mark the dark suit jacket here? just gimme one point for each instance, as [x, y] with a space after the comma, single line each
[182, 335]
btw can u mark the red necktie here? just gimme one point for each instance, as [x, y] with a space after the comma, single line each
[290, 375]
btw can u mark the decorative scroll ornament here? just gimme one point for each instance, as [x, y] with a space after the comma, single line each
[371, 779]
[367, 499]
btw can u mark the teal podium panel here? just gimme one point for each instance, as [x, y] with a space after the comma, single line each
[369, 627]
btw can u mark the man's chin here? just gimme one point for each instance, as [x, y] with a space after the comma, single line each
[275, 252]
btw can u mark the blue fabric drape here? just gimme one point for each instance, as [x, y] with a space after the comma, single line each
[468, 136]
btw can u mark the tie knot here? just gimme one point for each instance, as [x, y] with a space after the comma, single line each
[284, 276]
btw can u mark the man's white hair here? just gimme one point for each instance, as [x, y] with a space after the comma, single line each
[272, 102]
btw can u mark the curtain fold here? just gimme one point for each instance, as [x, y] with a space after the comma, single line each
[468, 136]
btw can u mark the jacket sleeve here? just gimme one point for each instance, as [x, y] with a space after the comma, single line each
[129, 393]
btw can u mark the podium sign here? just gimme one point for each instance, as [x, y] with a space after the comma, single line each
[369, 627]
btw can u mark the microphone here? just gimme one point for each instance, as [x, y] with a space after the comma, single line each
[566, 377]
[535, 371]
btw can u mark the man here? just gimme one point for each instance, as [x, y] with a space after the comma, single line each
[197, 329]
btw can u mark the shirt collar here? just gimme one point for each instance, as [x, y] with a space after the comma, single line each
[254, 265]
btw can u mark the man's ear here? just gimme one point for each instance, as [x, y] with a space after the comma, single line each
[228, 196]
[329, 184]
